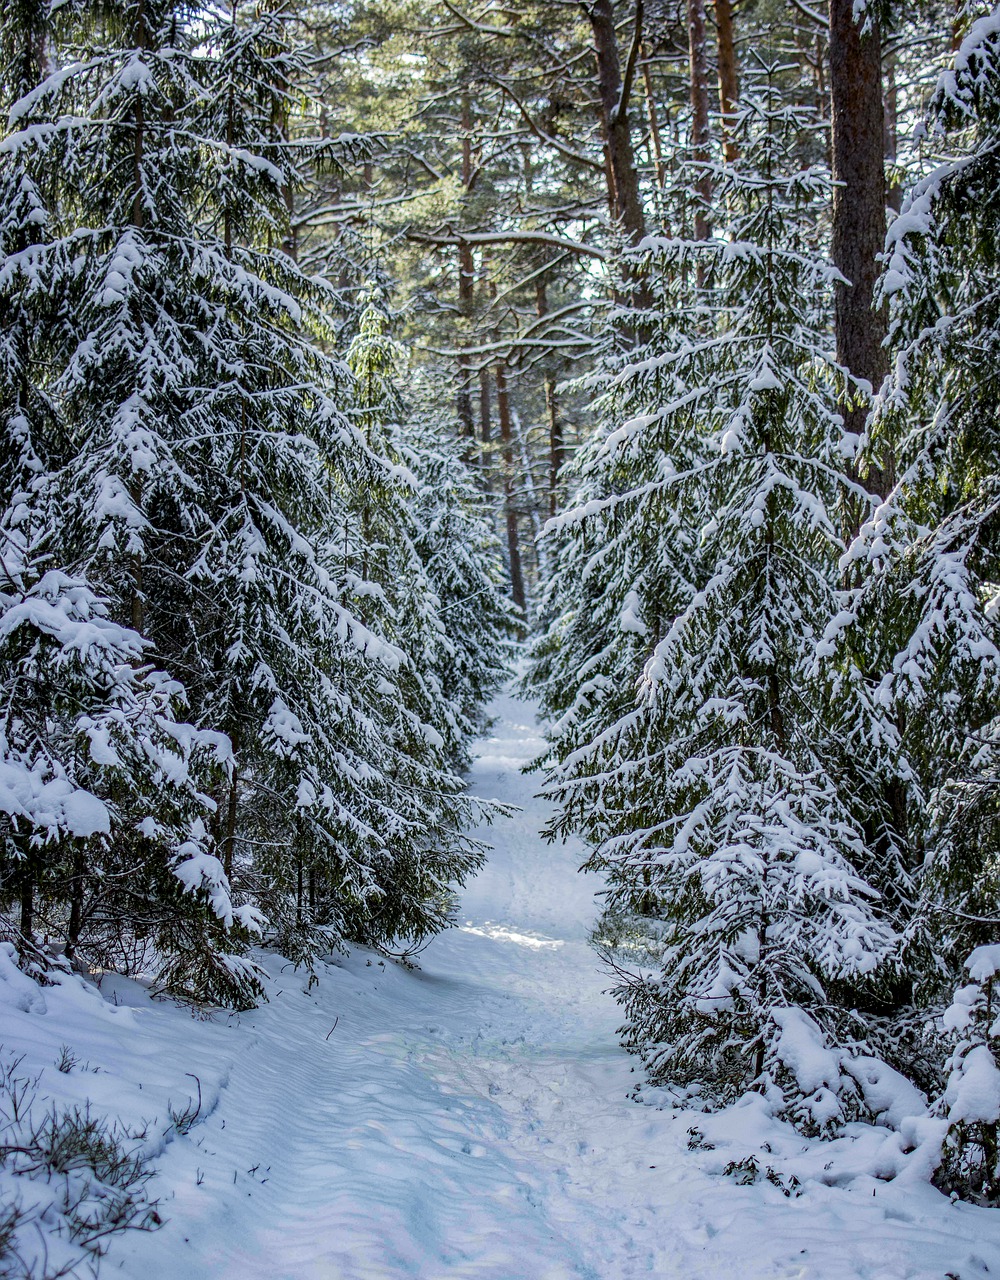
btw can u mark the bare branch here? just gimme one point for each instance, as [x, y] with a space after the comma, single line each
[577, 247]
[577, 156]
[633, 57]
[481, 27]
[812, 14]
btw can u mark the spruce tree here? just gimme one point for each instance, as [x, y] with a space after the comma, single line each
[918, 640]
[711, 803]
[432, 703]
[100, 772]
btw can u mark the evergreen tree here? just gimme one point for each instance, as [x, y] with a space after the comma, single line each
[918, 641]
[455, 540]
[215, 490]
[100, 774]
[711, 803]
[623, 555]
[970, 1102]
[432, 705]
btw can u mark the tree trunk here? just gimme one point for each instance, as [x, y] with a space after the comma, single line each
[655, 139]
[510, 512]
[27, 921]
[858, 207]
[137, 610]
[76, 892]
[557, 450]
[624, 194]
[137, 596]
[485, 415]
[229, 839]
[729, 92]
[534, 507]
[894, 192]
[822, 97]
[959, 21]
[698, 59]
[466, 290]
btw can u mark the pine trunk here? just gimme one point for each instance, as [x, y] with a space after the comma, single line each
[655, 137]
[510, 511]
[485, 415]
[557, 448]
[27, 902]
[894, 192]
[859, 223]
[76, 892]
[698, 60]
[229, 838]
[728, 84]
[626, 200]
[466, 290]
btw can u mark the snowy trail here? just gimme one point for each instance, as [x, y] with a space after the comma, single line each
[447, 1125]
[470, 1120]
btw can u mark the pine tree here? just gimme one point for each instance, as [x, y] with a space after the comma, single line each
[100, 773]
[455, 540]
[623, 557]
[919, 639]
[432, 704]
[711, 802]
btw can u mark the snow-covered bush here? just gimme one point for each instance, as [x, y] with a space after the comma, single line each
[971, 1099]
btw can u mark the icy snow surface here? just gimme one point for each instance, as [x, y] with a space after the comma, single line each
[467, 1121]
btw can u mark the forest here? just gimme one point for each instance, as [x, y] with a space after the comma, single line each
[357, 358]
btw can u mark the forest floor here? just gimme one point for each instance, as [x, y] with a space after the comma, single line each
[469, 1120]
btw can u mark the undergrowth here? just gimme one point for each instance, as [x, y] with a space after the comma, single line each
[69, 1181]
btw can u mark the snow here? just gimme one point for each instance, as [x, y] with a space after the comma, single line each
[892, 1098]
[800, 1047]
[973, 1093]
[53, 804]
[200, 870]
[984, 963]
[630, 618]
[471, 1119]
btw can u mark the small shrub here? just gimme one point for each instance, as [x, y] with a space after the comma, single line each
[97, 1175]
[67, 1060]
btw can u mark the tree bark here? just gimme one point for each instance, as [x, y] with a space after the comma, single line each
[698, 60]
[137, 606]
[859, 223]
[510, 512]
[894, 192]
[78, 885]
[655, 138]
[623, 177]
[959, 21]
[485, 414]
[466, 288]
[729, 92]
[27, 903]
[232, 809]
[557, 449]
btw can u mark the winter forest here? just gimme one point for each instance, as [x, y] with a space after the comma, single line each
[375, 377]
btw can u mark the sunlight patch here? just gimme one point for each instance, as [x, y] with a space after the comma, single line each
[503, 934]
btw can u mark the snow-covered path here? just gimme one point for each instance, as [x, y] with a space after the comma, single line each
[471, 1120]
[457, 1120]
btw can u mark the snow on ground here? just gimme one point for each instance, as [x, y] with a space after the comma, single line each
[467, 1121]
